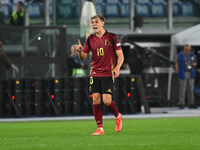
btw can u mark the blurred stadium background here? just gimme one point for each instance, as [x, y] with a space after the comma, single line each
[41, 47]
[42, 90]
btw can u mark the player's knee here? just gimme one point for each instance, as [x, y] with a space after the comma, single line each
[107, 102]
[96, 100]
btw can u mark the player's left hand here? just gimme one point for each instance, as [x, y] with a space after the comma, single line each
[116, 72]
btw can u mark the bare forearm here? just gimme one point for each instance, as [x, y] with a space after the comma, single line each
[82, 55]
[120, 61]
[194, 64]
[176, 67]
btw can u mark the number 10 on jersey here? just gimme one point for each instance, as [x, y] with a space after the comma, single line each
[100, 52]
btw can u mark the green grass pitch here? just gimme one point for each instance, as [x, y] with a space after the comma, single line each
[137, 134]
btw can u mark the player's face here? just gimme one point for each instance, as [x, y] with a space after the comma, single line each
[97, 25]
[187, 50]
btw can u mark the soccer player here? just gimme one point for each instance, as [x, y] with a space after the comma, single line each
[103, 45]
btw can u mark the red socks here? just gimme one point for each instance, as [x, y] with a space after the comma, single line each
[97, 111]
[113, 109]
[98, 115]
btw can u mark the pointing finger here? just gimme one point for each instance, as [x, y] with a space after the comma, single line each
[79, 42]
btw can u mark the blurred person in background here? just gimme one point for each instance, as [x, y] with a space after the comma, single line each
[5, 63]
[185, 63]
[17, 17]
[75, 65]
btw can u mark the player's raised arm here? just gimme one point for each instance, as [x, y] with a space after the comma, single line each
[79, 48]
[120, 61]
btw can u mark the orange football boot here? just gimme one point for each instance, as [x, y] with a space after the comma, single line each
[98, 132]
[118, 122]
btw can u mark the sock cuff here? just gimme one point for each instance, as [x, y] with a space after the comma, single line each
[97, 106]
[112, 102]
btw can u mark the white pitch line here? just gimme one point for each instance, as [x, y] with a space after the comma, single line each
[70, 118]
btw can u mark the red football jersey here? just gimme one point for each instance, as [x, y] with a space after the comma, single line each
[103, 53]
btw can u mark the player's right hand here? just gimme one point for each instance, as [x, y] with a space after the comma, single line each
[79, 47]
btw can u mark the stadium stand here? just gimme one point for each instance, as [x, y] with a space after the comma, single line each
[15, 1]
[158, 10]
[176, 9]
[159, 1]
[76, 8]
[112, 1]
[142, 1]
[65, 10]
[35, 10]
[124, 8]
[51, 9]
[176, 1]
[5, 2]
[68, 9]
[142, 9]
[100, 7]
[6, 8]
[66, 2]
[187, 9]
[112, 9]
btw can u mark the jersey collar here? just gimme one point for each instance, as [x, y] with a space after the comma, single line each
[106, 32]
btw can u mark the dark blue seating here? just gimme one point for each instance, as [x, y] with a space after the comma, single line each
[187, 9]
[65, 10]
[158, 10]
[66, 2]
[142, 1]
[35, 10]
[159, 1]
[112, 1]
[142, 9]
[6, 9]
[100, 8]
[124, 8]
[125, 1]
[112, 9]
[176, 9]
[51, 9]
[15, 1]
[6, 2]
[76, 10]
[176, 1]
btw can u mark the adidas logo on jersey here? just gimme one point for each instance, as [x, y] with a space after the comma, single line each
[109, 90]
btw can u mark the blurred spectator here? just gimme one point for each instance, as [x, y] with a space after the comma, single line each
[74, 64]
[17, 17]
[2, 22]
[5, 63]
[185, 64]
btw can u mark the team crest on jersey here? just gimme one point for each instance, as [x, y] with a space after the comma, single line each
[106, 42]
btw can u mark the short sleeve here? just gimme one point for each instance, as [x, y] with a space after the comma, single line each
[117, 45]
[86, 48]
